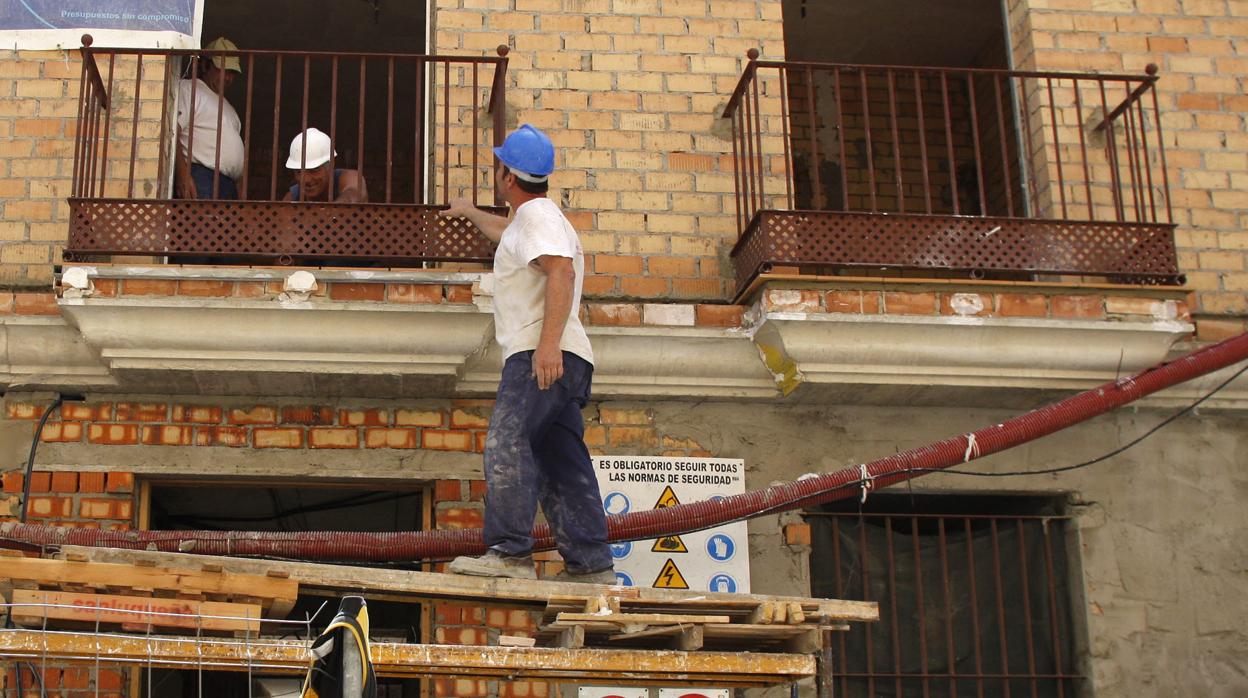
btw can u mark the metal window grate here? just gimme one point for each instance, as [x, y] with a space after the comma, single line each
[974, 601]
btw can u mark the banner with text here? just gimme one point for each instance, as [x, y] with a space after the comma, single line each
[49, 24]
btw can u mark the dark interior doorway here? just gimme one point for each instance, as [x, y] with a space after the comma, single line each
[355, 106]
[280, 507]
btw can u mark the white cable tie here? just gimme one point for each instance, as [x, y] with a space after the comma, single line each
[867, 482]
[972, 448]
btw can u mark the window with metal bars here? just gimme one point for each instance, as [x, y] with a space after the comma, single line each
[974, 593]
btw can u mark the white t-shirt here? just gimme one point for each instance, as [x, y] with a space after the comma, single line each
[538, 228]
[206, 102]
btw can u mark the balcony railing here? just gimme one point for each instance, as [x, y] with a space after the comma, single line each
[418, 127]
[987, 173]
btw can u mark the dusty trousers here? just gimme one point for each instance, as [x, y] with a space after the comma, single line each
[535, 451]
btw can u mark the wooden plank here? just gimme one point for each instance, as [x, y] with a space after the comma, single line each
[516, 641]
[133, 611]
[153, 578]
[643, 667]
[403, 585]
[638, 618]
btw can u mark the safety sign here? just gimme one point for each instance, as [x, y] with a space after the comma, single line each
[712, 560]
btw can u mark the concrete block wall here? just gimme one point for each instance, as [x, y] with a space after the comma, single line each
[1202, 53]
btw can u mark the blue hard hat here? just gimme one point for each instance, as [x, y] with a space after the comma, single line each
[528, 151]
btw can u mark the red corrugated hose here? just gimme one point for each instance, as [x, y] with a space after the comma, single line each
[684, 518]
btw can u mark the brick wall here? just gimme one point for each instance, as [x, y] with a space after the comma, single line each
[38, 123]
[631, 90]
[1200, 49]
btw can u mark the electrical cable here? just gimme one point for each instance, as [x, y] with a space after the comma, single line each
[30, 461]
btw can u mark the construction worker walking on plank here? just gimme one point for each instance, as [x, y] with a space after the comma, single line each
[535, 450]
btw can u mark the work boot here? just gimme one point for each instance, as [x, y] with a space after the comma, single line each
[494, 564]
[606, 576]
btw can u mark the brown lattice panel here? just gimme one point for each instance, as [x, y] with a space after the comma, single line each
[273, 232]
[1141, 253]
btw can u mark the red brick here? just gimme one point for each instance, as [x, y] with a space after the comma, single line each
[909, 303]
[251, 289]
[419, 418]
[196, 414]
[120, 482]
[428, 294]
[797, 534]
[448, 491]
[382, 437]
[476, 490]
[308, 415]
[167, 436]
[279, 437]
[90, 482]
[148, 287]
[1022, 305]
[35, 304]
[106, 288]
[614, 314]
[260, 414]
[23, 410]
[598, 286]
[80, 412]
[364, 418]
[718, 315]
[458, 293]
[147, 412]
[12, 482]
[479, 441]
[458, 517]
[465, 419]
[64, 482]
[643, 287]
[113, 434]
[443, 440]
[40, 482]
[50, 507]
[632, 436]
[206, 288]
[340, 291]
[221, 436]
[871, 302]
[96, 508]
[595, 436]
[333, 437]
[1130, 305]
[792, 300]
[844, 301]
[61, 432]
[617, 415]
[1077, 307]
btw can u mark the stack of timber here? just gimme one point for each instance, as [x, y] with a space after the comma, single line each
[586, 633]
[74, 592]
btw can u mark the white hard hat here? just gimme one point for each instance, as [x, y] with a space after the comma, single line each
[318, 151]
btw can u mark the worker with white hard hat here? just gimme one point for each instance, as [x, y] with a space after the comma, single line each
[312, 155]
[209, 163]
[535, 449]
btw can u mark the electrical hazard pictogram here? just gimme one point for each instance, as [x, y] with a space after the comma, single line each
[668, 544]
[670, 577]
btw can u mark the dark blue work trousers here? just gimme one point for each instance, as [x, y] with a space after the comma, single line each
[203, 176]
[535, 451]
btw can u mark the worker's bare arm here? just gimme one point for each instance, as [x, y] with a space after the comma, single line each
[490, 225]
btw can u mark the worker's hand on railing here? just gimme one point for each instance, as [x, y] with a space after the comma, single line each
[459, 208]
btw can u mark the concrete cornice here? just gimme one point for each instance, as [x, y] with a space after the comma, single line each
[292, 345]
